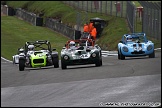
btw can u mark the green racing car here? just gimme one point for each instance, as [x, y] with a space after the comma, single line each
[36, 54]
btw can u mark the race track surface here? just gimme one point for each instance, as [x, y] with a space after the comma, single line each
[133, 81]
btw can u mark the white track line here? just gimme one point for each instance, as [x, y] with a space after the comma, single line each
[6, 59]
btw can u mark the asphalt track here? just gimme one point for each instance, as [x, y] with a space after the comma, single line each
[130, 82]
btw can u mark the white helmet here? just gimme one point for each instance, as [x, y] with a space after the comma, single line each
[31, 47]
[129, 38]
[21, 50]
[72, 44]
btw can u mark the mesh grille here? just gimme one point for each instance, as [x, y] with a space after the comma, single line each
[38, 61]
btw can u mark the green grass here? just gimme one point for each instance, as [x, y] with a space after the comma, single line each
[15, 32]
[112, 33]
[136, 3]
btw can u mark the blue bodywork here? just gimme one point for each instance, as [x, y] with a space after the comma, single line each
[135, 44]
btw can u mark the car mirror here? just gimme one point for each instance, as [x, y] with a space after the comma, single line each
[20, 50]
[121, 41]
[63, 47]
[53, 49]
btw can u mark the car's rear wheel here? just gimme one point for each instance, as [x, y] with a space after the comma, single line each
[152, 55]
[21, 65]
[63, 65]
[55, 62]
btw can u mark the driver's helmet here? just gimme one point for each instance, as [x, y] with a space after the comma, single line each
[129, 38]
[72, 44]
[31, 47]
[21, 50]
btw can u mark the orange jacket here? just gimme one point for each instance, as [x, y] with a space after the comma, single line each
[90, 26]
[94, 33]
[85, 28]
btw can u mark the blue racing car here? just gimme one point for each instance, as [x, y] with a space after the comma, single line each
[135, 44]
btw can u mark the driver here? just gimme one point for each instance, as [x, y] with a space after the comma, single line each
[72, 45]
[31, 48]
[129, 38]
[30, 51]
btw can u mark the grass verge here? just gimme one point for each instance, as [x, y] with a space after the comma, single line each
[14, 34]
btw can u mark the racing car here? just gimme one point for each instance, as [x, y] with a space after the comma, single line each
[135, 44]
[36, 54]
[80, 52]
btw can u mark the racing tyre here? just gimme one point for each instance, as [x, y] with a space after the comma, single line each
[99, 63]
[63, 65]
[101, 59]
[55, 62]
[122, 57]
[152, 55]
[21, 65]
[118, 55]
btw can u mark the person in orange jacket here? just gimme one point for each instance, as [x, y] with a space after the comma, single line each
[90, 26]
[86, 28]
[93, 33]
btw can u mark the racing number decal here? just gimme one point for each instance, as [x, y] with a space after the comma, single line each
[84, 56]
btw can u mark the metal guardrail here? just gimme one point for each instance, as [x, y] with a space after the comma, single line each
[27, 16]
[59, 27]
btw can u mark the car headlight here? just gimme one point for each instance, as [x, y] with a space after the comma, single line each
[66, 57]
[149, 47]
[125, 49]
[94, 55]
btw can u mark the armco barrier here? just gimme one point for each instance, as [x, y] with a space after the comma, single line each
[27, 16]
[59, 27]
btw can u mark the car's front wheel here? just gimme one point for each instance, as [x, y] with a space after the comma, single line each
[99, 63]
[122, 57]
[55, 62]
[152, 55]
[119, 55]
[21, 65]
[63, 65]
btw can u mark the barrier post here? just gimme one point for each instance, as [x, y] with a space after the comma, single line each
[117, 5]
[140, 10]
